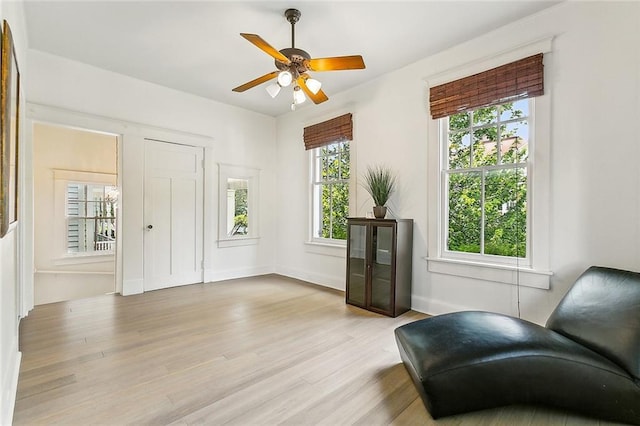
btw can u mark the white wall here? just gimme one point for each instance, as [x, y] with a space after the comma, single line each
[89, 97]
[10, 257]
[592, 77]
[56, 149]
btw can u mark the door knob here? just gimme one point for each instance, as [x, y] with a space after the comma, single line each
[149, 226]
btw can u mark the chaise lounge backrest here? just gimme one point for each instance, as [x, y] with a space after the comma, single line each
[602, 312]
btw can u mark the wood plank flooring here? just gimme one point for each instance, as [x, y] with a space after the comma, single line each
[257, 351]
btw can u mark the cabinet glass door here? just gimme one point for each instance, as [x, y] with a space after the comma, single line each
[357, 264]
[382, 249]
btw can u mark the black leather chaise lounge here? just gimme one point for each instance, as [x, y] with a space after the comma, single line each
[586, 359]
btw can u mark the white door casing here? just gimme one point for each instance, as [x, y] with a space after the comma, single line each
[173, 212]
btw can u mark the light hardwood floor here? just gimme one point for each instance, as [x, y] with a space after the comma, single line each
[264, 350]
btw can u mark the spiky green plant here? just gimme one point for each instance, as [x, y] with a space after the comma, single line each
[379, 181]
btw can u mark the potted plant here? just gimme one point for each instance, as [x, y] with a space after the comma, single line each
[379, 181]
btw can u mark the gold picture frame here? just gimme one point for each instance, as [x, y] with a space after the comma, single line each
[9, 134]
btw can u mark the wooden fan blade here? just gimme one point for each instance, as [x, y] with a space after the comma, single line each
[337, 63]
[257, 81]
[318, 98]
[266, 47]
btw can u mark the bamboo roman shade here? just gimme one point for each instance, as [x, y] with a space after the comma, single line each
[334, 130]
[521, 79]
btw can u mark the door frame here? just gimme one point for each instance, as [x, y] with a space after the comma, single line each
[130, 146]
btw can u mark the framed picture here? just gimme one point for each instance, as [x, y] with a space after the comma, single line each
[9, 137]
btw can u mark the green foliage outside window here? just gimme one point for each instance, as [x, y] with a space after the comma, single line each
[487, 180]
[240, 220]
[334, 167]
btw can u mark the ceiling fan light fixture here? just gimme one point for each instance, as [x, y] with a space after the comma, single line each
[285, 78]
[298, 96]
[292, 65]
[273, 89]
[313, 85]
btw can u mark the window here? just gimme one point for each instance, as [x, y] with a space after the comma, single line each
[91, 217]
[485, 183]
[85, 218]
[238, 218]
[488, 169]
[328, 143]
[237, 207]
[330, 191]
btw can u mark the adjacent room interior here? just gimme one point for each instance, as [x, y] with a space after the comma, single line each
[74, 236]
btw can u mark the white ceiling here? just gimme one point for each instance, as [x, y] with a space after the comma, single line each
[195, 47]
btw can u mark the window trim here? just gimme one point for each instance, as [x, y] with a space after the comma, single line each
[252, 175]
[537, 273]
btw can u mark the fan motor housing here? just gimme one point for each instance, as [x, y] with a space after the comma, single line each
[298, 57]
[292, 15]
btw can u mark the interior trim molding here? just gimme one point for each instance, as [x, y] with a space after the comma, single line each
[541, 45]
[507, 274]
[212, 275]
[313, 278]
[130, 287]
[108, 125]
[10, 392]
[431, 306]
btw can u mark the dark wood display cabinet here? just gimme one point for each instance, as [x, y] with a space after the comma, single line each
[379, 253]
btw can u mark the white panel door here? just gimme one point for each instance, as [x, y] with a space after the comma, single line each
[173, 209]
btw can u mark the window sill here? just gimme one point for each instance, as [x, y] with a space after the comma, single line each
[507, 274]
[238, 241]
[83, 258]
[326, 248]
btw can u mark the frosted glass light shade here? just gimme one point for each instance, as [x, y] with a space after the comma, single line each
[298, 95]
[313, 85]
[285, 78]
[273, 89]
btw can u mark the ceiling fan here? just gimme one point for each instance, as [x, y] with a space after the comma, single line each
[293, 65]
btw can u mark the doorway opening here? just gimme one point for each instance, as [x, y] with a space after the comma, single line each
[75, 213]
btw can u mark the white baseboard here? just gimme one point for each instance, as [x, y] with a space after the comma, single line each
[10, 389]
[334, 282]
[130, 287]
[211, 275]
[434, 307]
